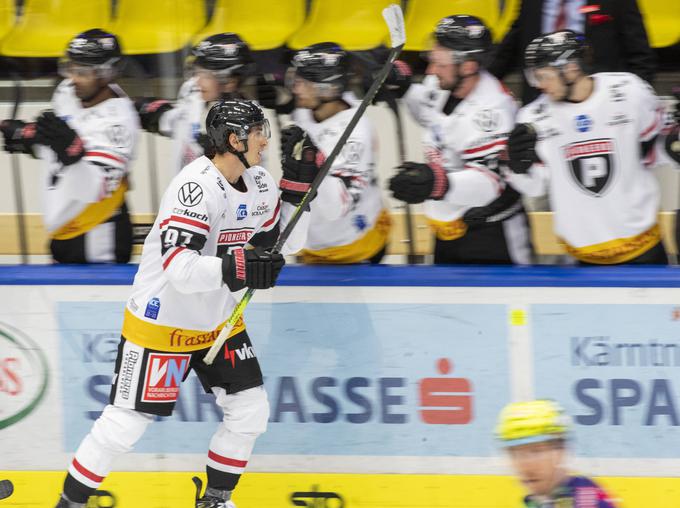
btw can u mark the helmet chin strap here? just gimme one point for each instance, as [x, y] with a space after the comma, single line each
[238, 154]
[460, 79]
[569, 85]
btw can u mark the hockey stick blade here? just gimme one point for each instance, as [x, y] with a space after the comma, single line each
[394, 18]
[396, 27]
[6, 489]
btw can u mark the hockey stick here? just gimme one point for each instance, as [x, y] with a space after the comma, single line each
[6, 489]
[395, 21]
[410, 235]
[16, 178]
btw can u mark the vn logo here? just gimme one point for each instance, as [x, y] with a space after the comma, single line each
[316, 499]
[164, 374]
[245, 352]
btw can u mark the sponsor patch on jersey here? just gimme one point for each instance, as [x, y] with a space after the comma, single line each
[591, 164]
[583, 123]
[234, 237]
[487, 120]
[220, 184]
[164, 374]
[360, 222]
[261, 209]
[152, 308]
[261, 184]
[245, 352]
[241, 212]
[190, 194]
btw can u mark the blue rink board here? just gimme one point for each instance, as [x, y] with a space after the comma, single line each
[387, 275]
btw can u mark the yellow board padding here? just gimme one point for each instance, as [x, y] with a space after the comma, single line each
[275, 490]
[544, 240]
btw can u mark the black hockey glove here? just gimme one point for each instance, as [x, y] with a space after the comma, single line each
[207, 145]
[298, 163]
[416, 182]
[522, 148]
[254, 268]
[54, 132]
[397, 83]
[150, 110]
[672, 142]
[19, 136]
[268, 96]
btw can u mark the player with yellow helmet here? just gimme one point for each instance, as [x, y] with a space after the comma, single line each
[535, 434]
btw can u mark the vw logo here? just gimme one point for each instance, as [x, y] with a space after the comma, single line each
[190, 194]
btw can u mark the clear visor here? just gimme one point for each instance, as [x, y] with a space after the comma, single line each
[439, 55]
[261, 129]
[293, 81]
[193, 70]
[537, 76]
[69, 69]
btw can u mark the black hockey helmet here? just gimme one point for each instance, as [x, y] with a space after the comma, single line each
[95, 48]
[325, 64]
[238, 116]
[225, 54]
[467, 36]
[555, 49]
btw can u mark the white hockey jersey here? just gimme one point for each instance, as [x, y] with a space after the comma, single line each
[348, 222]
[184, 122]
[81, 196]
[179, 301]
[604, 197]
[462, 143]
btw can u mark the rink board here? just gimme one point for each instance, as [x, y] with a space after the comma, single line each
[386, 379]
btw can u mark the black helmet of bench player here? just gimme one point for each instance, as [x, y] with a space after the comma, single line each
[94, 50]
[225, 55]
[326, 65]
[466, 36]
[556, 50]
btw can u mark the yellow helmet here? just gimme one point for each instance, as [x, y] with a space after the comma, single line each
[532, 422]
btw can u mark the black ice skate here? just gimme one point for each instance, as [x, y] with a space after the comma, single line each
[212, 498]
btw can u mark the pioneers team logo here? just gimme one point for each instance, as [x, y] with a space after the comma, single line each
[23, 375]
[190, 194]
[591, 164]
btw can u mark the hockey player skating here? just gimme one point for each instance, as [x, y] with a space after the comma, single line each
[348, 221]
[87, 144]
[192, 263]
[535, 435]
[218, 67]
[466, 115]
[590, 140]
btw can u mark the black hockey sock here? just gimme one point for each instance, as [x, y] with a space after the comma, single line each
[76, 491]
[220, 480]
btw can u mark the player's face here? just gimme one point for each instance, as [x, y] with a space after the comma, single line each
[208, 84]
[442, 66]
[258, 139]
[305, 93]
[86, 81]
[539, 466]
[549, 81]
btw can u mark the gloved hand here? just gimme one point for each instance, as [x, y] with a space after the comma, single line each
[268, 96]
[64, 141]
[254, 268]
[416, 182]
[522, 148]
[397, 83]
[672, 142]
[298, 163]
[150, 110]
[19, 136]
